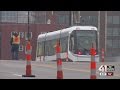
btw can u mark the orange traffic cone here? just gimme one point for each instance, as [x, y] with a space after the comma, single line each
[28, 59]
[93, 63]
[59, 62]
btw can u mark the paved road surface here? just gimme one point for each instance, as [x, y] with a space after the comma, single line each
[10, 69]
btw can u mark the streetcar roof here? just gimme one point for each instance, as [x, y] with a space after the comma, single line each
[67, 30]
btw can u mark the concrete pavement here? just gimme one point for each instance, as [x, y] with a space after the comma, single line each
[10, 69]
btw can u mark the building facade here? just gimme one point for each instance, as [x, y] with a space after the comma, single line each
[39, 22]
[107, 22]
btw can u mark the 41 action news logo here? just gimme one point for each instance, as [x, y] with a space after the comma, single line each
[106, 70]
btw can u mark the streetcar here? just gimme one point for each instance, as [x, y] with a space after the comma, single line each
[75, 43]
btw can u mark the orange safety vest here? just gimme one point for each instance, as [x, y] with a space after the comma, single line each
[16, 40]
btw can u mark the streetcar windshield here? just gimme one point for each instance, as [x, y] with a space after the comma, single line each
[81, 41]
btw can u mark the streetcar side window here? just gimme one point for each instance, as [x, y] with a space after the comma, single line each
[51, 47]
[42, 48]
[64, 44]
[46, 48]
[39, 49]
[71, 43]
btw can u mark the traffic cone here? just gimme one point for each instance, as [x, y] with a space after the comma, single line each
[59, 69]
[93, 70]
[28, 59]
[59, 62]
[93, 63]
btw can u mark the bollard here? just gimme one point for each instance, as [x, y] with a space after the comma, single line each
[103, 55]
[59, 62]
[93, 63]
[28, 60]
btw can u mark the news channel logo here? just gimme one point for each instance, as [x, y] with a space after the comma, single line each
[106, 70]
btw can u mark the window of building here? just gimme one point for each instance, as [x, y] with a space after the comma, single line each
[89, 20]
[62, 19]
[39, 17]
[76, 16]
[109, 19]
[115, 52]
[84, 20]
[22, 17]
[109, 31]
[93, 21]
[115, 43]
[9, 16]
[115, 32]
[116, 20]
[119, 31]
[31, 17]
[119, 43]
[109, 52]
[109, 43]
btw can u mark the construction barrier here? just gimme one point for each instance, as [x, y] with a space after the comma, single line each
[93, 63]
[59, 61]
[103, 55]
[28, 60]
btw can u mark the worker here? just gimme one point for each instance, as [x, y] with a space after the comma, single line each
[15, 42]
